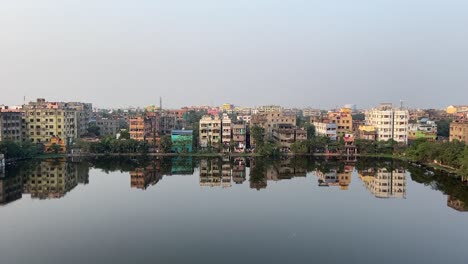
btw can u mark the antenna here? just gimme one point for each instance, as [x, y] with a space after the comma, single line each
[401, 104]
[160, 103]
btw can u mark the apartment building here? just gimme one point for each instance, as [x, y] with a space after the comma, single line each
[137, 128]
[210, 131]
[367, 133]
[270, 120]
[390, 123]
[459, 131]
[326, 129]
[343, 120]
[226, 131]
[42, 120]
[108, 126]
[268, 109]
[239, 137]
[286, 134]
[11, 125]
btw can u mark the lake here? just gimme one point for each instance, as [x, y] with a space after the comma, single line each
[238, 210]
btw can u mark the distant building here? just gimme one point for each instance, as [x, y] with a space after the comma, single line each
[367, 133]
[459, 131]
[55, 145]
[182, 141]
[271, 120]
[11, 125]
[108, 127]
[268, 109]
[424, 128]
[286, 134]
[326, 129]
[390, 123]
[343, 120]
[137, 128]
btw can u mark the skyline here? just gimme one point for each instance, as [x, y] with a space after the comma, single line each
[320, 54]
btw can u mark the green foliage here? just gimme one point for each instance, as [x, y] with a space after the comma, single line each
[124, 134]
[112, 145]
[165, 144]
[310, 131]
[443, 128]
[300, 147]
[258, 135]
[94, 129]
[55, 148]
[13, 150]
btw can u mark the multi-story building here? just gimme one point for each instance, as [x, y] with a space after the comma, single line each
[239, 137]
[286, 134]
[390, 123]
[309, 112]
[11, 125]
[244, 118]
[271, 120]
[137, 128]
[367, 133]
[210, 131]
[424, 128]
[459, 131]
[326, 129]
[343, 120]
[226, 131]
[108, 126]
[268, 109]
[42, 120]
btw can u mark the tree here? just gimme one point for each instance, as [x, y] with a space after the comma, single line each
[55, 148]
[310, 131]
[443, 128]
[94, 129]
[165, 144]
[258, 136]
[124, 134]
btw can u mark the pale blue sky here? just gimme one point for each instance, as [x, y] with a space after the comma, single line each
[247, 52]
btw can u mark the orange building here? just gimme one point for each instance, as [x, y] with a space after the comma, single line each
[54, 140]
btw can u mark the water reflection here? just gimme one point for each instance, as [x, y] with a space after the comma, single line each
[52, 179]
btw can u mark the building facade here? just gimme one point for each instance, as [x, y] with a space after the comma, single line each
[11, 128]
[210, 131]
[326, 129]
[459, 131]
[390, 123]
[343, 120]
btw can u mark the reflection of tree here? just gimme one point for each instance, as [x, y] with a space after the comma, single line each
[258, 178]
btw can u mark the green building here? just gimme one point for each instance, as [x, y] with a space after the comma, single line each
[182, 141]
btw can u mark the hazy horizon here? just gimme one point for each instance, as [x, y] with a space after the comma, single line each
[321, 54]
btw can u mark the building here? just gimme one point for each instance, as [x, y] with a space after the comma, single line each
[210, 131]
[326, 129]
[311, 112]
[390, 123]
[137, 128]
[42, 120]
[459, 131]
[424, 128]
[11, 189]
[182, 141]
[11, 125]
[239, 137]
[286, 134]
[271, 120]
[226, 136]
[367, 133]
[343, 120]
[268, 109]
[244, 118]
[108, 126]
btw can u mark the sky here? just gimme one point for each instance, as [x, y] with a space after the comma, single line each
[295, 53]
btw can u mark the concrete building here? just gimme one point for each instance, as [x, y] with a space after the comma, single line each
[390, 123]
[108, 126]
[11, 125]
[239, 137]
[244, 118]
[343, 120]
[286, 134]
[271, 120]
[210, 131]
[137, 128]
[226, 131]
[459, 131]
[42, 120]
[326, 129]
[182, 141]
[367, 133]
[268, 109]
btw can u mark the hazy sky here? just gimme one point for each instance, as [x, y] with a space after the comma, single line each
[247, 52]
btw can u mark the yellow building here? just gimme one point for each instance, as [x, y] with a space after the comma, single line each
[43, 120]
[343, 120]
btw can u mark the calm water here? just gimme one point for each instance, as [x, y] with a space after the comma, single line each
[184, 210]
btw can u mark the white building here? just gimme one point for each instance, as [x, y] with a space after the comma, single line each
[326, 129]
[390, 123]
[210, 131]
[226, 130]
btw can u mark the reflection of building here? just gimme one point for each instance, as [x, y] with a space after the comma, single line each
[284, 170]
[52, 179]
[239, 171]
[210, 173]
[226, 173]
[142, 178]
[344, 178]
[456, 204]
[182, 166]
[11, 189]
[384, 183]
